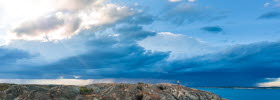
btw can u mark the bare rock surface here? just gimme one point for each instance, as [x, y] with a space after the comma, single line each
[104, 91]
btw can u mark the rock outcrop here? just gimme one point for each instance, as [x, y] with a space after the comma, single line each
[104, 91]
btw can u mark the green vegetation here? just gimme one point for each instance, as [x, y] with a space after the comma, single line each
[4, 87]
[85, 90]
[141, 83]
[139, 87]
[122, 85]
[140, 96]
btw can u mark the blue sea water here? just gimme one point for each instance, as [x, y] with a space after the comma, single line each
[245, 94]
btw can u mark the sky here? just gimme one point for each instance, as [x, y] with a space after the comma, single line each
[199, 42]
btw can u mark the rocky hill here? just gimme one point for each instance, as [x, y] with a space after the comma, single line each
[104, 91]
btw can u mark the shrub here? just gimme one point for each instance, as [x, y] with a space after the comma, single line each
[3, 87]
[85, 90]
[139, 87]
[140, 83]
[139, 96]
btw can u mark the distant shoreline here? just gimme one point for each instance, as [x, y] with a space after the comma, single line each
[233, 87]
[240, 87]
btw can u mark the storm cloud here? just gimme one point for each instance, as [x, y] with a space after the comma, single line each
[146, 39]
[11, 57]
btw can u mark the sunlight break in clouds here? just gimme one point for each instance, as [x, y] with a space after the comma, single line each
[274, 82]
[65, 19]
[80, 81]
[57, 81]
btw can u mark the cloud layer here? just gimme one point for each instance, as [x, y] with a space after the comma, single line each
[93, 39]
[69, 19]
[9, 56]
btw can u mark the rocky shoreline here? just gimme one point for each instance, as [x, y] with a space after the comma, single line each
[104, 91]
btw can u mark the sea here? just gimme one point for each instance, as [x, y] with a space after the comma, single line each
[245, 94]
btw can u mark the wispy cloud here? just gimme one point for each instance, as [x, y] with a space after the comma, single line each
[180, 46]
[270, 15]
[187, 12]
[272, 3]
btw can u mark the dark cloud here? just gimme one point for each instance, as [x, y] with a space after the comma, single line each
[270, 15]
[115, 56]
[240, 58]
[112, 57]
[133, 33]
[212, 29]
[10, 56]
[232, 67]
[113, 50]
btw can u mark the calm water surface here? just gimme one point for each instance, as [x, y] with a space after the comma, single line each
[245, 94]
